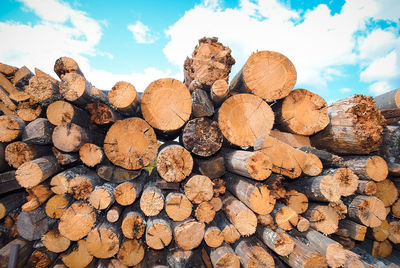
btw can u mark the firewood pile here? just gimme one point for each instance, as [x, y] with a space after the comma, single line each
[199, 173]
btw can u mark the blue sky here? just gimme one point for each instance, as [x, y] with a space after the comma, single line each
[339, 48]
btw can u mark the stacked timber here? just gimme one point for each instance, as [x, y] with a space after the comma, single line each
[200, 173]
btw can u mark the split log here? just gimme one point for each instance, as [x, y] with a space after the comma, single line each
[10, 202]
[390, 147]
[60, 182]
[366, 187]
[229, 231]
[201, 104]
[368, 167]
[367, 210]
[91, 154]
[55, 242]
[328, 159]
[253, 165]
[256, 197]
[78, 256]
[244, 118]
[11, 128]
[224, 256]
[127, 192]
[387, 192]
[379, 233]
[13, 93]
[42, 258]
[133, 223]
[213, 236]
[174, 163]
[267, 74]
[43, 90]
[36, 171]
[40, 73]
[205, 212]
[294, 140]
[8, 70]
[284, 217]
[66, 65]
[198, 189]
[211, 61]
[38, 132]
[253, 253]
[18, 153]
[276, 239]
[219, 91]
[114, 213]
[32, 225]
[28, 110]
[21, 77]
[81, 185]
[381, 249]
[212, 167]
[131, 143]
[124, 98]
[322, 218]
[102, 114]
[115, 174]
[24, 252]
[296, 201]
[304, 256]
[76, 89]
[131, 252]
[152, 200]
[57, 205]
[356, 127]
[103, 241]
[166, 104]
[158, 232]
[202, 137]
[102, 196]
[61, 112]
[77, 221]
[8, 106]
[394, 232]
[8, 182]
[37, 195]
[388, 100]
[301, 112]
[356, 231]
[188, 234]
[241, 217]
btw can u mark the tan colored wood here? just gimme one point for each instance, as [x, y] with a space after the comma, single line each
[36, 171]
[8, 106]
[18, 153]
[204, 212]
[301, 112]
[304, 256]
[70, 137]
[8, 70]
[28, 110]
[244, 118]
[213, 236]
[133, 224]
[166, 104]
[291, 139]
[216, 202]
[219, 91]
[124, 98]
[102, 196]
[60, 182]
[356, 231]
[394, 232]
[56, 206]
[55, 242]
[368, 167]
[127, 192]
[297, 201]
[340, 208]
[253, 253]
[267, 74]
[91, 154]
[224, 256]
[265, 220]
[66, 65]
[11, 128]
[37, 195]
[102, 114]
[78, 257]
[381, 249]
[125, 151]
[189, 234]
[303, 224]
[13, 93]
[379, 233]
[322, 218]
[61, 112]
[131, 252]
[75, 88]
[396, 209]
[199, 189]
[229, 231]
[388, 100]
[309, 163]
[103, 241]
[158, 233]
[276, 239]
[77, 221]
[114, 213]
[152, 200]
[174, 163]
[387, 192]
[284, 217]
[42, 89]
[367, 210]
[81, 185]
[366, 187]
[40, 73]
[320, 188]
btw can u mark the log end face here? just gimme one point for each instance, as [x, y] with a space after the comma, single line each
[29, 175]
[347, 181]
[315, 260]
[151, 203]
[246, 222]
[72, 86]
[259, 166]
[174, 163]
[102, 243]
[10, 128]
[188, 235]
[335, 255]
[131, 252]
[122, 95]
[377, 168]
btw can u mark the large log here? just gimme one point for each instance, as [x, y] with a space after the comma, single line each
[188, 234]
[177, 206]
[174, 163]
[36, 171]
[322, 218]
[367, 210]
[131, 252]
[78, 256]
[388, 100]
[158, 232]
[368, 167]
[356, 127]
[267, 74]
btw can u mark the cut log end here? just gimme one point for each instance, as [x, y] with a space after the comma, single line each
[102, 242]
[41, 89]
[125, 194]
[65, 65]
[199, 189]
[213, 237]
[177, 206]
[158, 234]
[377, 168]
[79, 257]
[369, 210]
[174, 163]
[151, 201]
[205, 212]
[123, 95]
[259, 166]
[133, 225]
[297, 201]
[69, 137]
[286, 218]
[131, 252]
[55, 242]
[387, 192]
[56, 206]
[91, 154]
[346, 181]
[323, 218]
[189, 234]
[11, 128]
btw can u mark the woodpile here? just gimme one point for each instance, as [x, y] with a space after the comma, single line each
[200, 173]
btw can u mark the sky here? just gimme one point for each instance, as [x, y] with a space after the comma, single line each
[339, 47]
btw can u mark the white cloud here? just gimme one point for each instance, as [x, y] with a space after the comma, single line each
[141, 33]
[380, 88]
[386, 67]
[345, 90]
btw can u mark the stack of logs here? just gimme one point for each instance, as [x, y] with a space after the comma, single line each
[196, 174]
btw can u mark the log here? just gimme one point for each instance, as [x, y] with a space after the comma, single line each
[395, 208]
[253, 165]
[60, 182]
[255, 196]
[267, 74]
[388, 100]
[224, 256]
[78, 256]
[379, 233]
[21, 77]
[328, 159]
[18, 153]
[166, 104]
[152, 200]
[202, 137]
[76, 89]
[177, 206]
[213, 236]
[66, 65]
[303, 224]
[210, 61]
[77, 221]
[229, 231]
[276, 186]
[11, 128]
[40, 73]
[244, 118]
[366, 187]
[304, 256]
[131, 252]
[36, 171]
[216, 202]
[356, 127]
[91, 154]
[8, 70]
[124, 98]
[102, 114]
[356, 231]
[368, 167]
[253, 253]
[174, 163]
[131, 143]
[276, 239]
[28, 110]
[38, 132]
[322, 218]
[367, 210]
[346, 242]
[188, 234]
[241, 217]
[394, 232]
[205, 212]
[301, 112]
[284, 217]
[184, 258]
[102, 196]
[387, 192]
[42, 258]
[158, 232]
[57, 205]
[55, 242]
[81, 185]
[61, 112]
[8, 182]
[114, 213]
[43, 90]
[296, 201]
[103, 241]
[212, 167]
[340, 208]
[265, 220]
[201, 104]
[320, 188]
[115, 174]
[32, 225]
[198, 189]
[13, 93]
[8, 106]
[392, 116]
[294, 140]
[390, 147]
[65, 159]
[381, 249]
[127, 192]
[219, 92]
[70, 137]
[133, 223]
[37, 195]
[24, 252]
[10, 202]
[219, 187]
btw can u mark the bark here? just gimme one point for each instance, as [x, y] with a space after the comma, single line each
[201, 104]
[32, 225]
[36, 171]
[294, 140]
[388, 100]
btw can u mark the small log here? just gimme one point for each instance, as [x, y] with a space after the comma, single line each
[8, 70]
[381, 249]
[70, 137]
[219, 91]
[11, 128]
[102, 196]
[294, 140]
[124, 98]
[131, 143]
[42, 258]
[56, 206]
[36, 171]
[18, 153]
[328, 159]
[394, 232]
[127, 192]
[379, 233]
[24, 252]
[275, 184]
[178, 257]
[241, 217]
[32, 225]
[368, 167]
[198, 189]
[76, 89]
[43, 90]
[216, 202]
[28, 110]
[152, 200]
[65, 159]
[38, 132]
[166, 104]
[229, 231]
[253, 253]
[301, 112]
[320, 188]
[78, 256]
[66, 65]
[62, 112]
[340, 208]
[356, 127]
[174, 163]
[224, 256]
[8, 182]
[296, 201]
[22, 77]
[219, 187]
[8, 106]
[37, 195]
[387, 192]
[253, 165]
[276, 239]
[367, 210]
[133, 223]
[205, 212]
[212, 167]
[303, 224]
[356, 231]
[202, 137]
[265, 220]
[284, 217]
[102, 114]
[201, 104]
[131, 252]
[213, 236]
[267, 74]
[177, 206]
[81, 185]
[255, 196]
[77, 221]
[91, 154]
[244, 118]
[366, 187]
[388, 100]
[309, 163]
[188, 234]
[114, 213]
[10, 202]
[304, 256]
[103, 241]
[13, 93]
[115, 174]
[158, 232]
[322, 218]
[55, 242]
[60, 182]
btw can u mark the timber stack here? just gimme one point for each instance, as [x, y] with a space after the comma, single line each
[199, 173]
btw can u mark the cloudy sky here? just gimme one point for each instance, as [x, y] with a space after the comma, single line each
[338, 47]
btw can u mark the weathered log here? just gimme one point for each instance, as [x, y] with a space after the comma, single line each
[102, 196]
[320, 188]
[78, 256]
[103, 241]
[275, 184]
[178, 257]
[366, 187]
[322, 218]
[24, 252]
[152, 200]
[188, 234]
[367, 210]
[18, 153]
[224, 256]
[133, 223]
[115, 174]
[201, 104]
[294, 140]
[253, 253]
[66, 65]
[76, 89]
[60, 182]
[328, 159]
[124, 98]
[284, 217]
[229, 231]
[36, 171]
[368, 167]
[55, 242]
[40, 73]
[11, 128]
[388, 100]
[70, 137]
[81, 185]
[65, 159]
[102, 114]
[8, 182]
[390, 147]
[114, 213]
[356, 231]
[219, 91]
[158, 232]
[212, 167]
[28, 110]
[131, 252]
[37, 195]
[379, 233]
[38, 131]
[174, 163]
[303, 256]
[42, 258]
[32, 225]
[61, 112]
[10, 202]
[276, 239]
